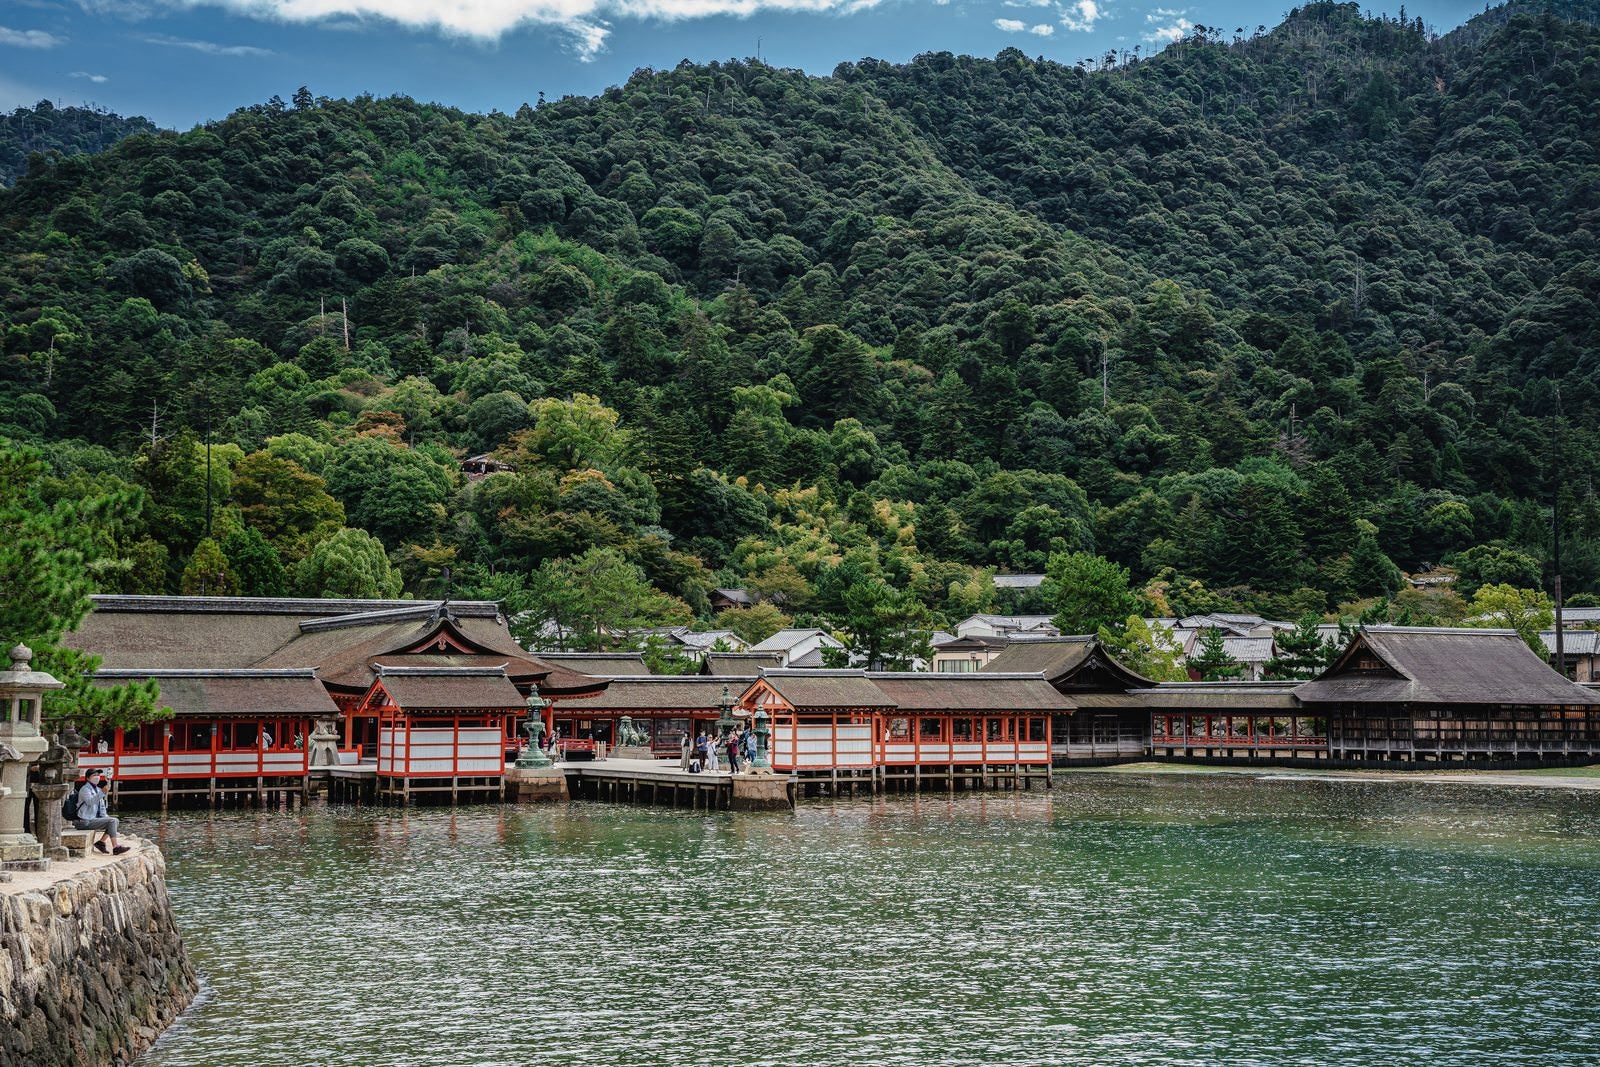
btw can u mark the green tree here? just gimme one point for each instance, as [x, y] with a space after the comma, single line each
[1526, 611]
[595, 601]
[1302, 652]
[350, 564]
[1495, 563]
[398, 494]
[288, 506]
[1212, 661]
[49, 545]
[885, 628]
[755, 623]
[207, 573]
[1147, 648]
[572, 434]
[254, 563]
[1088, 592]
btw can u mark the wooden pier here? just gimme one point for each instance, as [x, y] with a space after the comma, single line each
[655, 782]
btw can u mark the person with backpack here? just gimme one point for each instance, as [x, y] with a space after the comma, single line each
[89, 812]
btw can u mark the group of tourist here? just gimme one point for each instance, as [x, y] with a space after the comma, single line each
[714, 754]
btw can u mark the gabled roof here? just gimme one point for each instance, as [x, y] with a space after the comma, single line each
[1573, 642]
[1248, 649]
[704, 639]
[1434, 665]
[1068, 663]
[449, 688]
[784, 640]
[236, 693]
[735, 664]
[970, 644]
[342, 639]
[820, 689]
[1011, 622]
[921, 691]
[735, 596]
[661, 692]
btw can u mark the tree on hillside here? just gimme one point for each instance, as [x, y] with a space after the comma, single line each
[755, 623]
[350, 564]
[595, 601]
[207, 573]
[1526, 611]
[1494, 564]
[254, 563]
[1088, 592]
[288, 505]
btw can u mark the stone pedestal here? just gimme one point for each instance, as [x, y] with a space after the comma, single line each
[536, 785]
[755, 791]
[631, 752]
[47, 817]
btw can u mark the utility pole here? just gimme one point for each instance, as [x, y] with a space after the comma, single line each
[1555, 529]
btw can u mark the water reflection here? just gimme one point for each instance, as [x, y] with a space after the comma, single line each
[1122, 920]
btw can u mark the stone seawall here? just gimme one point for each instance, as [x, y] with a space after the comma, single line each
[92, 967]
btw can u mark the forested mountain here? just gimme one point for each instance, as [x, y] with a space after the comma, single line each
[45, 128]
[1259, 318]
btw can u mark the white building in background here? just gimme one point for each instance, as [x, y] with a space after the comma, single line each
[798, 647]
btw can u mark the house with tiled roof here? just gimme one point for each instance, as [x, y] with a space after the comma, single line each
[798, 647]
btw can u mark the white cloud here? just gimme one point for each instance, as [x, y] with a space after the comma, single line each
[1175, 31]
[29, 38]
[98, 79]
[1162, 14]
[1080, 16]
[210, 48]
[588, 21]
[1010, 25]
[1044, 29]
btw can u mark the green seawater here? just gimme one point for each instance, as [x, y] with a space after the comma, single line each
[1118, 919]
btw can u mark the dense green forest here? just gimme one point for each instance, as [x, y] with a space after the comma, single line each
[45, 128]
[1264, 319]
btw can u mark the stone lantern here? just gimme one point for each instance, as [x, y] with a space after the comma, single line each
[532, 756]
[22, 691]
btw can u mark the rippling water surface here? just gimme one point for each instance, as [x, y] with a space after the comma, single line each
[1116, 920]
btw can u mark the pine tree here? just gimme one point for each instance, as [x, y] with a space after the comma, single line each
[1213, 663]
[1301, 652]
[48, 544]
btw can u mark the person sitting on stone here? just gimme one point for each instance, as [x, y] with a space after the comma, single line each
[92, 812]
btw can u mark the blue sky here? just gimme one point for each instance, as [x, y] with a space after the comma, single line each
[181, 62]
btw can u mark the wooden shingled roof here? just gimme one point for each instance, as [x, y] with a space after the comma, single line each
[1426, 665]
[806, 688]
[978, 692]
[661, 692]
[449, 688]
[1068, 663]
[212, 692]
[598, 664]
[739, 664]
[344, 640]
